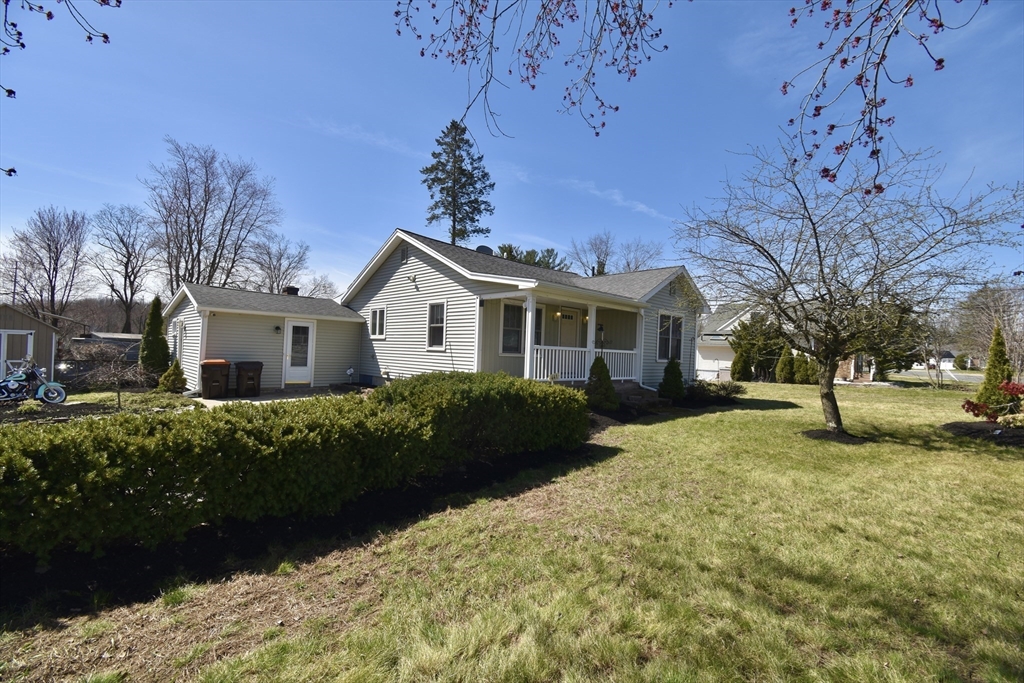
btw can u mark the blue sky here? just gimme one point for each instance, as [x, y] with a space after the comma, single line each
[343, 113]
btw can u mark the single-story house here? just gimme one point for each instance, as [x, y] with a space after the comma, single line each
[714, 354]
[430, 305]
[301, 341]
[22, 335]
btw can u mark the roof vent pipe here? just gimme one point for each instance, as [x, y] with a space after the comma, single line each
[484, 249]
[291, 291]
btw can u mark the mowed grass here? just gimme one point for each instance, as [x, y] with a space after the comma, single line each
[706, 547]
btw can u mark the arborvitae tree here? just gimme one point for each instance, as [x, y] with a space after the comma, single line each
[761, 342]
[784, 368]
[742, 370]
[173, 381]
[599, 388]
[458, 185]
[672, 386]
[154, 354]
[801, 369]
[997, 371]
[812, 371]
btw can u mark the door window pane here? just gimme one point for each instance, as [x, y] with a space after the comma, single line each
[300, 346]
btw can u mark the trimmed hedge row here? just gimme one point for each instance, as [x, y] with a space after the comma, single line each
[150, 478]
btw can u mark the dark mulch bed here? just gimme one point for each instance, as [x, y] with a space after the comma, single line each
[986, 431]
[49, 412]
[625, 414]
[835, 437]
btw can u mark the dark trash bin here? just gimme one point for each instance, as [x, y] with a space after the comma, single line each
[247, 378]
[214, 376]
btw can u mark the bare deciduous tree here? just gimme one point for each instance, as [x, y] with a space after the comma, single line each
[1000, 304]
[124, 254]
[593, 255]
[209, 212]
[638, 254]
[321, 286]
[45, 264]
[828, 259]
[277, 263]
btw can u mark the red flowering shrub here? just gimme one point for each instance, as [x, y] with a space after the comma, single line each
[1013, 392]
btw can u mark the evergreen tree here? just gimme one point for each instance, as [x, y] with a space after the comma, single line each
[458, 185]
[997, 371]
[741, 367]
[599, 388]
[173, 381]
[801, 369]
[672, 386]
[784, 368]
[761, 342]
[154, 354]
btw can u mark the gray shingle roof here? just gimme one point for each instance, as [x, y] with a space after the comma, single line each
[222, 299]
[717, 321]
[630, 285]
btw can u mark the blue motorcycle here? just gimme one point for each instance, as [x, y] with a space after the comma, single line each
[29, 381]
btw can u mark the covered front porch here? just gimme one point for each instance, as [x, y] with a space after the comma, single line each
[547, 337]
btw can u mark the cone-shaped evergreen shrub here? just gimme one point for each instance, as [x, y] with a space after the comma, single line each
[154, 354]
[997, 371]
[812, 371]
[599, 388]
[784, 368]
[742, 369]
[801, 369]
[672, 386]
[173, 381]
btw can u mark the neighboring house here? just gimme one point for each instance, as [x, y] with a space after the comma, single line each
[22, 335]
[432, 306]
[126, 341]
[714, 354]
[301, 341]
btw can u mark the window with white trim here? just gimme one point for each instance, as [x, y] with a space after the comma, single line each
[435, 326]
[377, 323]
[513, 318]
[670, 337]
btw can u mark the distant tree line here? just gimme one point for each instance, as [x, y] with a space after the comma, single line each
[209, 219]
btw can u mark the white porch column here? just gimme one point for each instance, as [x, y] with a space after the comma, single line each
[638, 358]
[531, 313]
[591, 335]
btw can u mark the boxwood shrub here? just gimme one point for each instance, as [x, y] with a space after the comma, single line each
[150, 478]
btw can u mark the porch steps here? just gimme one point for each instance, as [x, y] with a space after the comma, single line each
[632, 394]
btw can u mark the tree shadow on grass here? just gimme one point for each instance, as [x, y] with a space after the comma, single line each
[78, 583]
[936, 438]
[909, 612]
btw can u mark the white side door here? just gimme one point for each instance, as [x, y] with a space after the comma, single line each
[298, 351]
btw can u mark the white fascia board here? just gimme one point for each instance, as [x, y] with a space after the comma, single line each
[589, 296]
[468, 274]
[291, 315]
[177, 298]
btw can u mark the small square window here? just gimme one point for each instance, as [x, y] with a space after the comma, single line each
[404, 253]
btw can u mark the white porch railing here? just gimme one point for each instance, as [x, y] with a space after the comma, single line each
[573, 364]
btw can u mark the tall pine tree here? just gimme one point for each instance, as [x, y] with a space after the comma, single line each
[458, 185]
[997, 371]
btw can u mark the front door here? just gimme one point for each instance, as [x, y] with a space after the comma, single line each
[569, 327]
[298, 356]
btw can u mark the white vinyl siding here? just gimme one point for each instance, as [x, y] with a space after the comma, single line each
[240, 337]
[665, 303]
[406, 289]
[336, 350]
[184, 331]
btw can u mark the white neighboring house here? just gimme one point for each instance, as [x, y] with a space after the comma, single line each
[714, 355]
[301, 341]
[433, 306]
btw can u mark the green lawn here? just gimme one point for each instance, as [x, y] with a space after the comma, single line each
[712, 546]
[720, 546]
